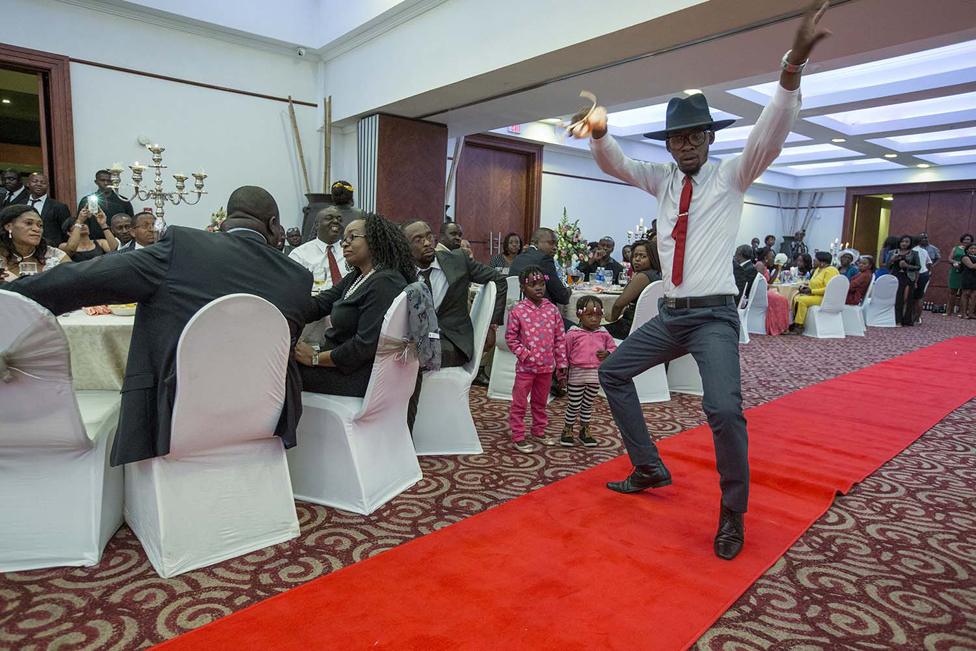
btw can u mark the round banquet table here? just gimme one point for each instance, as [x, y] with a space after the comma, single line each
[789, 290]
[99, 348]
[607, 298]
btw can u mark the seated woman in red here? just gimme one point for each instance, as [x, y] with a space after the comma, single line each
[861, 281]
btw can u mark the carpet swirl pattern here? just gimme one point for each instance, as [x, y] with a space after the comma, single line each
[890, 565]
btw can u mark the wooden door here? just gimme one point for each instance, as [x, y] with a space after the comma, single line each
[909, 213]
[497, 192]
[866, 223]
[948, 218]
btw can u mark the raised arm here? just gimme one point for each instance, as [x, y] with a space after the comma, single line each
[766, 138]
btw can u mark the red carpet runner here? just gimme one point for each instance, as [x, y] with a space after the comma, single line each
[575, 566]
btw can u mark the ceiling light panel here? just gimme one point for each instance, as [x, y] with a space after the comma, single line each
[929, 140]
[925, 70]
[838, 167]
[735, 138]
[959, 157]
[919, 114]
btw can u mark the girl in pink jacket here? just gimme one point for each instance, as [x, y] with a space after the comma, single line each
[587, 345]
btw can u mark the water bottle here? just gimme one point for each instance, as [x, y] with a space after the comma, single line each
[600, 275]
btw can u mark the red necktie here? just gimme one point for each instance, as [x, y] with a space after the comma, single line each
[333, 267]
[680, 232]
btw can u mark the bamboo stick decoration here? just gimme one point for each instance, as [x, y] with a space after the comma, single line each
[298, 143]
[458, 146]
[327, 159]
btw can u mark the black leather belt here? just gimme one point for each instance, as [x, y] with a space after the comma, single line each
[698, 301]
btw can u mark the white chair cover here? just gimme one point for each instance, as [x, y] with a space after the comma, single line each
[826, 321]
[444, 424]
[60, 501]
[223, 490]
[652, 384]
[879, 309]
[757, 308]
[502, 378]
[355, 453]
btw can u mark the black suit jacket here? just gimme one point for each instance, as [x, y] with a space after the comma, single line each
[744, 275]
[171, 281]
[453, 316]
[54, 215]
[556, 291]
[19, 199]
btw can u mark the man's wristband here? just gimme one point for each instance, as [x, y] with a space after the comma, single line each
[792, 68]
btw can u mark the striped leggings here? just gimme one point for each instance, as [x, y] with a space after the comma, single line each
[580, 402]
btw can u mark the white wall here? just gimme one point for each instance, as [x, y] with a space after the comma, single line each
[237, 139]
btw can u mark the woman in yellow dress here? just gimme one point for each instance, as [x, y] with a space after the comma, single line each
[823, 271]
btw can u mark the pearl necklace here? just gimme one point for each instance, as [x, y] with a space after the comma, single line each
[21, 258]
[359, 281]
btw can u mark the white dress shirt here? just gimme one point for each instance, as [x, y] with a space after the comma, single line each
[438, 282]
[312, 255]
[924, 259]
[39, 206]
[716, 201]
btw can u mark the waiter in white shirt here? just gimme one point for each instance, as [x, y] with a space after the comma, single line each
[323, 255]
[699, 209]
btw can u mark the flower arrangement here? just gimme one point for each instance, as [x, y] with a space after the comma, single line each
[217, 218]
[570, 246]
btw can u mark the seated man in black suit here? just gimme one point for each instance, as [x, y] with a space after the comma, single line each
[539, 254]
[121, 226]
[449, 275]
[601, 258]
[142, 233]
[53, 213]
[744, 270]
[171, 281]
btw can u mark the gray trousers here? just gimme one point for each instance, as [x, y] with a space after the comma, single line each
[711, 335]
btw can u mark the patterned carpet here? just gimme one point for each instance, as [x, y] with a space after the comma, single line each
[891, 565]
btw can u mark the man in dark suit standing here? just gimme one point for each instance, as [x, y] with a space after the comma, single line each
[171, 281]
[744, 270]
[449, 275]
[539, 254]
[53, 213]
[16, 192]
[108, 200]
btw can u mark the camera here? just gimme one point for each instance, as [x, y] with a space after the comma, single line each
[300, 52]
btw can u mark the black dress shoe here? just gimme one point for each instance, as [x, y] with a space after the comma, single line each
[642, 478]
[481, 379]
[731, 534]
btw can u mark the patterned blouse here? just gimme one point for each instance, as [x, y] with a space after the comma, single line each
[536, 335]
[52, 258]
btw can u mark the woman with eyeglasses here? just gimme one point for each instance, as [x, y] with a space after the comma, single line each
[23, 250]
[646, 268]
[381, 265]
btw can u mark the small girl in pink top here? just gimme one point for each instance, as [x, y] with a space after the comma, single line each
[586, 347]
[535, 336]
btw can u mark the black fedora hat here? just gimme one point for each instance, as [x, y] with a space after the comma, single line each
[688, 113]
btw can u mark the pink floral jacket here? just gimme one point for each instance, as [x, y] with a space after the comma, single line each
[535, 335]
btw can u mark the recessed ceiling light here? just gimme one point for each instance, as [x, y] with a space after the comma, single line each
[691, 91]
[923, 166]
[891, 155]
[550, 120]
[838, 140]
[5, 100]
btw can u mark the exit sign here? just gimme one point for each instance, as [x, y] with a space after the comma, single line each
[515, 128]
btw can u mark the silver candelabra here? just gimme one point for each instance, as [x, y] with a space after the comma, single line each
[155, 193]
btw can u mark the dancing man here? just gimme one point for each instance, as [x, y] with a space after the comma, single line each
[699, 208]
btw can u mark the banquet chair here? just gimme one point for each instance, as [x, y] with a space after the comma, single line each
[879, 309]
[853, 315]
[353, 453]
[826, 321]
[60, 500]
[223, 489]
[652, 384]
[444, 424]
[755, 322]
[502, 378]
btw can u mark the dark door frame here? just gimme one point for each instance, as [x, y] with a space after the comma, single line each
[533, 204]
[59, 155]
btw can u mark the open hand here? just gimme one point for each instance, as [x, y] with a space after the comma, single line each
[809, 33]
[101, 219]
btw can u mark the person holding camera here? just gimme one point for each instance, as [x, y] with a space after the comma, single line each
[80, 244]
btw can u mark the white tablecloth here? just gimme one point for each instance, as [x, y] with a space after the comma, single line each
[99, 349]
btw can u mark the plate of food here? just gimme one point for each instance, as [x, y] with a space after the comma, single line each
[125, 309]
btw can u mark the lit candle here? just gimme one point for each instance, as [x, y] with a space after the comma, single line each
[116, 167]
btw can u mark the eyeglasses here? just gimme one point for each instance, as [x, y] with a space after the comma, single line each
[696, 138]
[348, 239]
